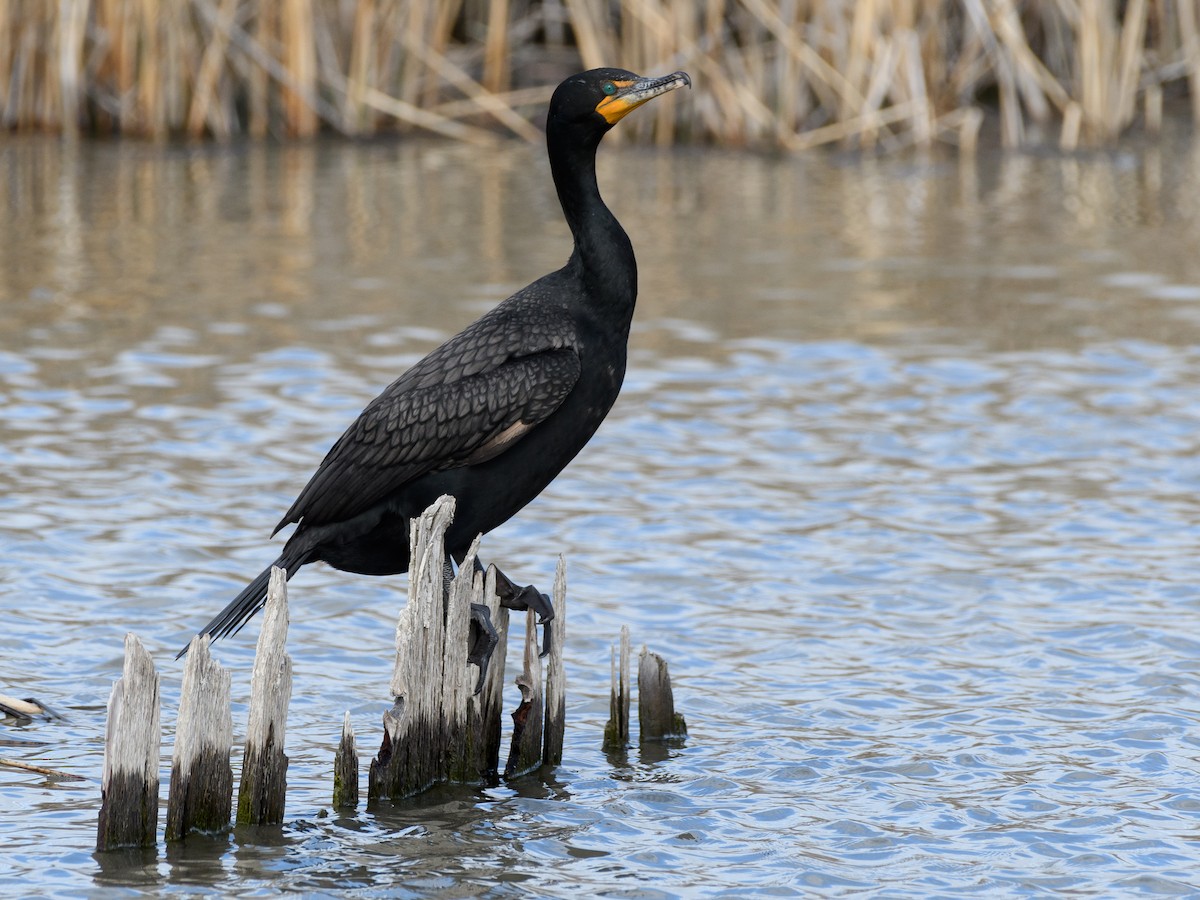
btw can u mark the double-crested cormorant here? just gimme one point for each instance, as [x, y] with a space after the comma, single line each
[495, 413]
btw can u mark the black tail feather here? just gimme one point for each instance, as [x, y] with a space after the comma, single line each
[243, 607]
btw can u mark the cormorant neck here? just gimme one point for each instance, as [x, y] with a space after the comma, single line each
[602, 252]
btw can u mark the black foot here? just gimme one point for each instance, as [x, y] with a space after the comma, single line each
[481, 638]
[481, 642]
[528, 597]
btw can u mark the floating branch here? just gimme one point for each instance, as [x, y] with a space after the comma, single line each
[129, 788]
[201, 792]
[26, 709]
[41, 770]
[264, 765]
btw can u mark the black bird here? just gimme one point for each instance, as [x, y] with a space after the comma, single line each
[495, 413]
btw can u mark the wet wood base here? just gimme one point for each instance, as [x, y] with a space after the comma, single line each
[201, 793]
[129, 786]
[263, 787]
[345, 769]
[657, 718]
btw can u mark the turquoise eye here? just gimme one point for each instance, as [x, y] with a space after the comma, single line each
[609, 88]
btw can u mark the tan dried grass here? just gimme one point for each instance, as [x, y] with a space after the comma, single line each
[779, 73]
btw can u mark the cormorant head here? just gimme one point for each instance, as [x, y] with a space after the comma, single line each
[602, 97]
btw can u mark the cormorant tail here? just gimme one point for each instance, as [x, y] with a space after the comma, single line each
[252, 598]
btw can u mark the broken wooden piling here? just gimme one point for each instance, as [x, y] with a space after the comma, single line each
[263, 787]
[345, 769]
[525, 752]
[657, 718]
[201, 793]
[556, 677]
[129, 785]
[616, 732]
[438, 729]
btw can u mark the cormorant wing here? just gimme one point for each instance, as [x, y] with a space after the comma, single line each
[459, 406]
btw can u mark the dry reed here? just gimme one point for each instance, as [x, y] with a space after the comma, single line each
[767, 72]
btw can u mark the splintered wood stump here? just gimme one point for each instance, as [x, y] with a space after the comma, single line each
[616, 732]
[345, 769]
[556, 677]
[437, 729]
[657, 719]
[129, 787]
[264, 765]
[525, 754]
[487, 709]
[201, 777]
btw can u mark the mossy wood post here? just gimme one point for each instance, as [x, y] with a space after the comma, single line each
[264, 765]
[657, 719]
[437, 728]
[616, 732]
[525, 754]
[345, 769]
[556, 678]
[201, 777]
[129, 786]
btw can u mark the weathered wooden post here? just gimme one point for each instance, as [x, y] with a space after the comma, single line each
[264, 765]
[556, 677]
[657, 719]
[616, 732]
[439, 729]
[426, 732]
[487, 709]
[129, 786]
[345, 769]
[525, 754]
[201, 792]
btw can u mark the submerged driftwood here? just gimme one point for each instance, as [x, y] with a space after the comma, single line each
[201, 792]
[264, 764]
[27, 709]
[129, 787]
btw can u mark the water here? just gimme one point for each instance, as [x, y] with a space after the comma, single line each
[903, 485]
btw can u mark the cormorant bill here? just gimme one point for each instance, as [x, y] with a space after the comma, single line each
[495, 413]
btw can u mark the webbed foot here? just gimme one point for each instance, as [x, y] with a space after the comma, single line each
[522, 598]
[482, 641]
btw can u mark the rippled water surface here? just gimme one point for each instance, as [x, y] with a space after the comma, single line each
[903, 484]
